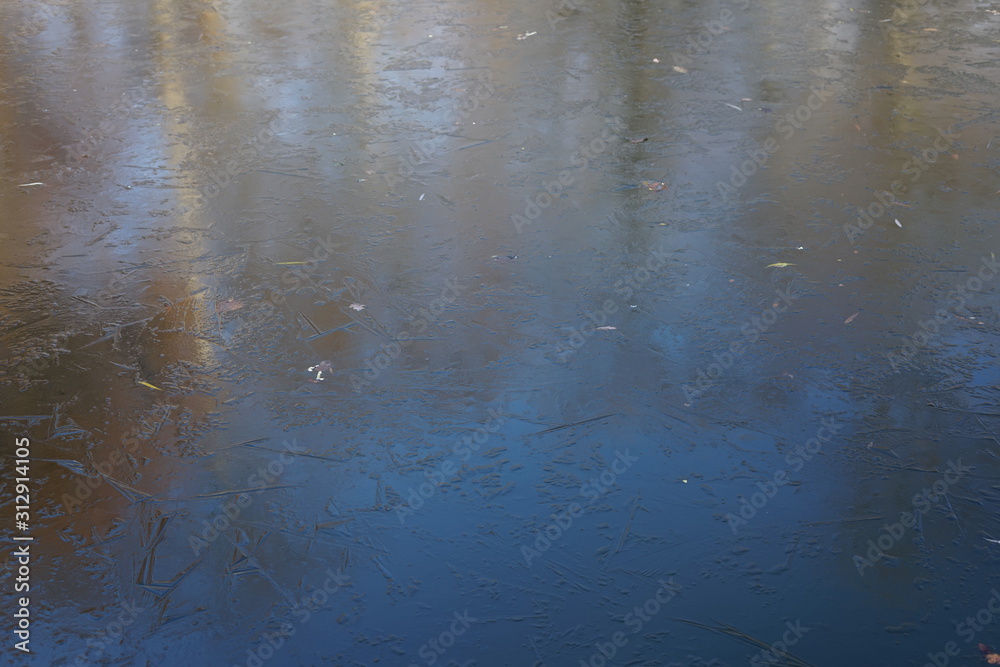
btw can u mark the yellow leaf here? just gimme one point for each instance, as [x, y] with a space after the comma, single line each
[780, 265]
[151, 386]
[282, 263]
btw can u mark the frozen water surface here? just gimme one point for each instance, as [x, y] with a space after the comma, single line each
[478, 334]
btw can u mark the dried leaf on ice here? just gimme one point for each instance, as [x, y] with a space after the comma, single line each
[151, 386]
[991, 657]
[851, 318]
[607, 328]
[319, 369]
[780, 265]
[655, 186]
[357, 306]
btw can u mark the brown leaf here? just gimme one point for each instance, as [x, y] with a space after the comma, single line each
[319, 369]
[991, 657]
